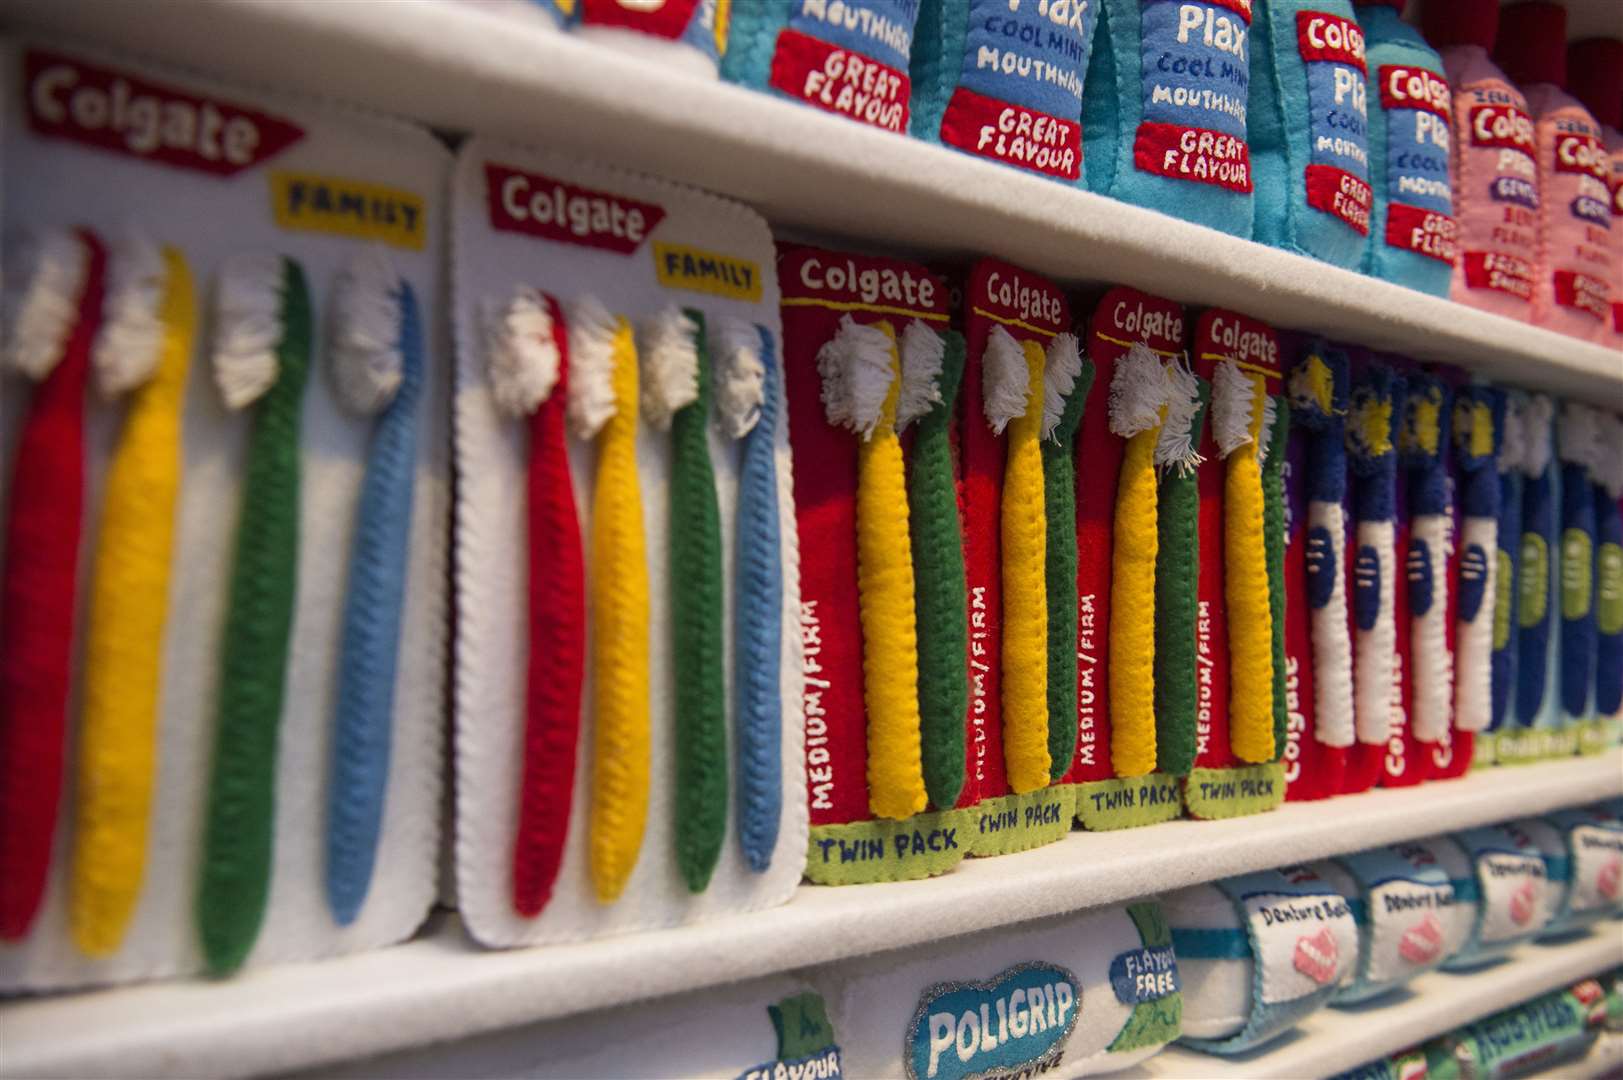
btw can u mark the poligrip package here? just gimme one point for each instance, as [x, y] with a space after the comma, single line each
[1019, 350]
[870, 360]
[1241, 730]
[222, 715]
[1132, 747]
[848, 58]
[1002, 79]
[630, 683]
[1164, 116]
[1308, 125]
[687, 34]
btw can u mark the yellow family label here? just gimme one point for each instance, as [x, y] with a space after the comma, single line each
[681, 267]
[343, 207]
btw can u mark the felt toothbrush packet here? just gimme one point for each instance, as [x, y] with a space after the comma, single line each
[629, 753]
[248, 736]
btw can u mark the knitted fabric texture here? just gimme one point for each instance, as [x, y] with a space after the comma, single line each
[124, 652]
[1025, 606]
[1577, 435]
[1273, 523]
[1059, 505]
[1536, 579]
[41, 567]
[1132, 604]
[1177, 569]
[556, 660]
[1251, 687]
[241, 812]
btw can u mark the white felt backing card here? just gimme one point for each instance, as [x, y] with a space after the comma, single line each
[492, 561]
[209, 218]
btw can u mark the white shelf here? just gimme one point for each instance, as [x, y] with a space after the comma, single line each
[466, 67]
[1334, 1040]
[441, 987]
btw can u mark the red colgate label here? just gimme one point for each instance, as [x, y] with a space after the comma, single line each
[1010, 294]
[1242, 8]
[1499, 272]
[1502, 126]
[1582, 154]
[1190, 153]
[111, 110]
[1013, 134]
[1340, 193]
[840, 81]
[839, 279]
[1322, 36]
[541, 206]
[1414, 88]
[661, 18]
[1126, 316]
[1425, 232]
[1580, 292]
[1226, 335]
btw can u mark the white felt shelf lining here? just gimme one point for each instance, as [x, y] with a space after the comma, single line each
[485, 68]
[1333, 1040]
[441, 987]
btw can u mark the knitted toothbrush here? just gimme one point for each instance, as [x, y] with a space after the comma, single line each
[1317, 390]
[1376, 396]
[676, 396]
[1537, 594]
[261, 358]
[50, 329]
[377, 366]
[1423, 438]
[861, 376]
[1177, 568]
[1067, 379]
[1271, 457]
[1576, 438]
[1239, 413]
[1478, 424]
[144, 351]
[527, 357]
[746, 376]
[932, 368]
[1608, 473]
[1139, 397]
[1013, 402]
[1506, 582]
[603, 381]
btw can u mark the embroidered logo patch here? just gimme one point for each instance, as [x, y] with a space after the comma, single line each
[1196, 71]
[1144, 975]
[681, 267]
[551, 209]
[1581, 292]
[1337, 175]
[342, 207]
[1013, 1024]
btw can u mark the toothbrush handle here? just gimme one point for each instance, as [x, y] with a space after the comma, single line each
[758, 614]
[1577, 591]
[1608, 604]
[36, 648]
[1506, 586]
[1245, 582]
[1132, 610]
[1273, 524]
[1024, 536]
[1534, 594]
[1059, 508]
[370, 643]
[239, 829]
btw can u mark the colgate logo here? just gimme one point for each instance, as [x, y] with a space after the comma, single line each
[1329, 37]
[1242, 339]
[551, 209]
[1581, 154]
[1315, 956]
[110, 110]
[1414, 88]
[1502, 126]
[1139, 317]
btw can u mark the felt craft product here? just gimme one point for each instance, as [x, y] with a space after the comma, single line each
[50, 338]
[1272, 454]
[1164, 112]
[1577, 436]
[690, 35]
[1410, 918]
[1317, 388]
[1067, 380]
[1538, 588]
[1083, 994]
[677, 381]
[1595, 78]
[827, 294]
[1177, 570]
[1003, 81]
[1258, 953]
[1495, 174]
[1011, 318]
[1583, 861]
[1557, 1027]
[1236, 768]
[1478, 426]
[1507, 581]
[1423, 441]
[144, 350]
[1126, 323]
[1513, 892]
[261, 358]
[849, 60]
[527, 357]
[1414, 237]
[1380, 624]
[1573, 287]
[377, 364]
[1307, 120]
[1608, 472]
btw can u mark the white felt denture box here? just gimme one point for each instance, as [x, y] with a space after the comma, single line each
[569, 270]
[185, 178]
